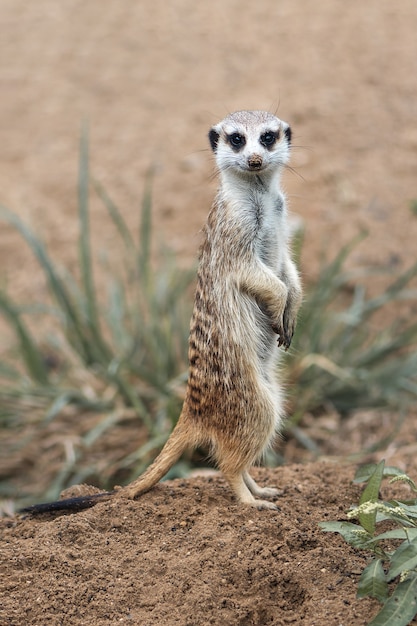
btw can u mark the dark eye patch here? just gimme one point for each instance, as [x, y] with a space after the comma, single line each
[237, 141]
[268, 138]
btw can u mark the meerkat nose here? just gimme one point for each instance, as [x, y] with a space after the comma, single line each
[255, 162]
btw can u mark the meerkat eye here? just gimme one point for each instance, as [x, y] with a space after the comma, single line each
[237, 140]
[268, 139]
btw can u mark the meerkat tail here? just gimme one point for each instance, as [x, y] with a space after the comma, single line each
[180, 439]
[68, 504]
[177, 443]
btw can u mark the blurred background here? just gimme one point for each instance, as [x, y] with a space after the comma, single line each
[150, 78]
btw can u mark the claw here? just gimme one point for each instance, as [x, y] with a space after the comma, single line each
[284, 339]
[284, 335]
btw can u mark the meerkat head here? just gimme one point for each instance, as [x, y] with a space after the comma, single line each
[250, 142]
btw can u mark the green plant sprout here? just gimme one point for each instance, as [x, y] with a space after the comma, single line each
[391, 575]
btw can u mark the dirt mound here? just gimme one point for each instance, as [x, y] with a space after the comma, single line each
[151, 78]
[187, 554]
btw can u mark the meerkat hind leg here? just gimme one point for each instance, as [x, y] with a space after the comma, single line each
[237, 481]
[256, 490]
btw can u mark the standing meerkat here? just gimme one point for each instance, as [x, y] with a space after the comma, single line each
[248, 293]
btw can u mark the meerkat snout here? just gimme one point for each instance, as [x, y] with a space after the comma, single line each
[255, 161]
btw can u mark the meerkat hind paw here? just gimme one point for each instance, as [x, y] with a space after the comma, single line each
[265, 504]
[269, 492]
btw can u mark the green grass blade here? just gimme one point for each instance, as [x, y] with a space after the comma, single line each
[131, 397]
[368, 369]
[101, 349]
[145, 230]
[84, 220]
[392, 291]
[116, 313]
[381, 350]
[109, 421]
[74, 397]
[332, 277]
[116, 216]
[57, 288]
[32, 356]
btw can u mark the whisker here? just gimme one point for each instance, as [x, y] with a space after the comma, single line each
[294, 171]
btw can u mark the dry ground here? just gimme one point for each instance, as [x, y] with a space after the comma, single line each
[186, 554]
[151, 78]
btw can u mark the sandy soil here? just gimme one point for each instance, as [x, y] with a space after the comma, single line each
[151, 78]
[186, 554]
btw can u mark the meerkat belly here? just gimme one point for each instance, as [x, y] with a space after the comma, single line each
[230, 346]
[264, 353]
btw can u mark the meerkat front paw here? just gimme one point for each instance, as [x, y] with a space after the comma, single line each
[289, 323]
[285, 334]
[285, 340]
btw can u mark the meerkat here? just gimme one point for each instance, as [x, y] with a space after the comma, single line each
[246, 301]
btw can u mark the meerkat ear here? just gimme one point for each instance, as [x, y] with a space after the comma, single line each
[213, 138]
[288, 134]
